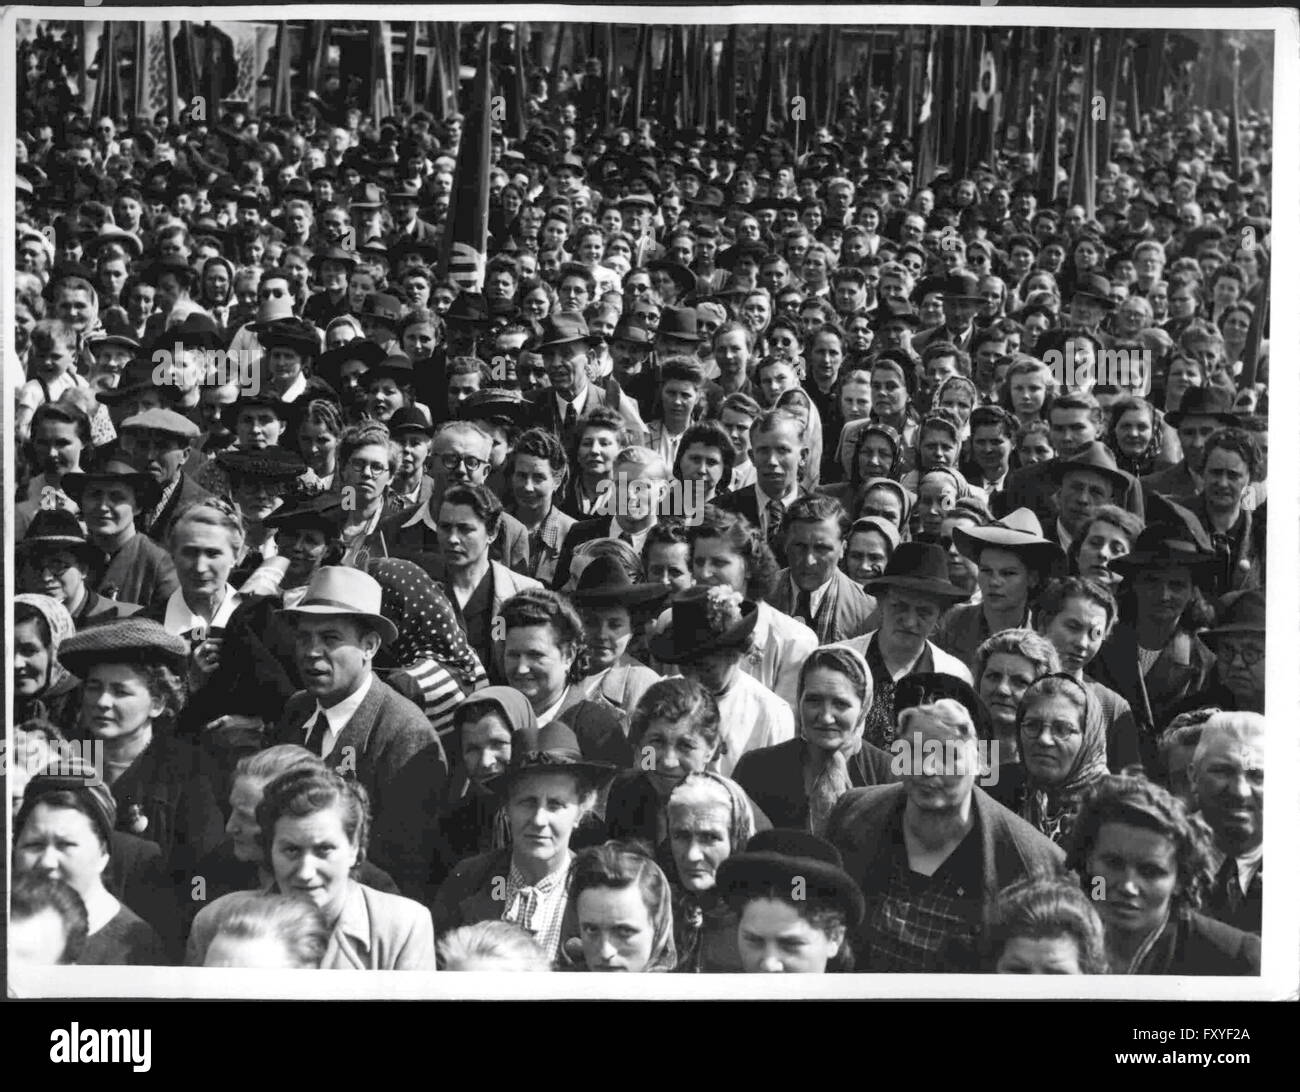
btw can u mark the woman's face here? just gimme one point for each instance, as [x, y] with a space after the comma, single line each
[1035, 448]
[537, 665]
[537, 304]
[543, 809]
[1133, 431]
[776, 939]
[318, 446]
[31, 660]
[938, 447]
[1028, 392]
[596, 451]
[1004, 579]
[875, 456]
[258, 428]
[1005, 679]
[957, 398]
[700, 838]
[715, 565]
[305, 547]
[1138, 870]
[1051, 735]
[216, 282]
[784, 344]
[116, 702]
[615, 927]
[60, 574]
[1103, 543]
[485, 746]
[256, 498]
[885, 503]
[61, 844]
[866, 556]
[935, 499]
[888, 393]
[244, 833]
[312, 858]
[419, 340]
[669, 563]
[1163, 594]
[830, 709]
[609, 629]
[1040, 955]
[1183, 374]
[714, 670]
[384, 398]
[1182, 303]
[670, 750]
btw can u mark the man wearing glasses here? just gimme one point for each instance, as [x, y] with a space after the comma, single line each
[459, 455]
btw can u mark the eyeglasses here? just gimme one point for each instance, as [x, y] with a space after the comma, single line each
[1060, 730]
[451, 461]
[360, 466]
[1250, 655]
[55, 566]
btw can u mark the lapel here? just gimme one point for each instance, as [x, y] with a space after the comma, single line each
[356, 733]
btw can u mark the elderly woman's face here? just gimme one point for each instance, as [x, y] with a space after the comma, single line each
[944, 765]
[830, 709]
[1002, 684]
[116, 702]
[543, 809]
[866, 556]
[61, 844]
[1051, 736]
[31, 665]
[312, 858]
[700, 838]
[203, 555]
[1138, 870]
[615, 927]
[536, 664]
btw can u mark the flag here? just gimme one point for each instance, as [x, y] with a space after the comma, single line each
[464, 249]
[762, 115]
[1254, 341]
[1134, 94]
[636, 97]
[280, 90]
[408, 68]
[515, 76]
[381, 70]
[1049, 158]
[1083, 167]
[1234, 116]
[926, 144]
[108, 88]
[170, 62]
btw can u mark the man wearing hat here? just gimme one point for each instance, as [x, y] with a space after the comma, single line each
[404, 201]
[565, 346]
[290, 345]
[912, 595]
[961, 302]
[1202, 412]
[1085, 481]
[157, 442]
[1237, 640]
[362, 727]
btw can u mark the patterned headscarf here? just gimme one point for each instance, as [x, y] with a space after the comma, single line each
[61, 628]
[1051, 808]
[426, 625]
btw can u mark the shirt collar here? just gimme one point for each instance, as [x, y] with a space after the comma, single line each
[546, 716]
[578, 404]
[180, 619]
[792, 495]
[1064, 536]
[340, 713]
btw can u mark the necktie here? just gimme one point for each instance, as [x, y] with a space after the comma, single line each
[1230, 885]
[570, 417]
[803, 608]
[775, 514]
[317, 730]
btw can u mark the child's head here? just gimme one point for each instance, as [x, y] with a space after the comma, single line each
[1034, 443]
[1045, 926]
[53, 348]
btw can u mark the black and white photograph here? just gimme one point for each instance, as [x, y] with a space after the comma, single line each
[677, 491]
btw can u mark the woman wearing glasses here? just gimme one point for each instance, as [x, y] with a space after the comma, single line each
[368, 459]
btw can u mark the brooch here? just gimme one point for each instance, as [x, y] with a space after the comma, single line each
[137, 820]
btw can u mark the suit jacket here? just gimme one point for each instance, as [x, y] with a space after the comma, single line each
[95, 609]
[844, 611]
[1032, 487]
[423, 232]
[394, 752]
[189, 492]
[584, 530]
[860, 826]
[546, 410]
[773, 778]
[744, 502]
[1194, 944]
[140, 572]
[408, 533]
[937, 334]
[475, 892]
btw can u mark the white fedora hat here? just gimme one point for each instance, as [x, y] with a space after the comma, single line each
[342, 590]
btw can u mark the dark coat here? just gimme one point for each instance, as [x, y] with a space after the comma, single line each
[773, 778]
[585, 530]
[847, 617]
[1033, 487]
[187, 493]
[860, 828]
[95, 609]
[394, 752]
[546, 410]
[137, 877]
[140, 572]
[1193, 944]
[634, 809]
[409, 539]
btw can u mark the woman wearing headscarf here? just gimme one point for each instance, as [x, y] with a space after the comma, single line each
[1062, 753]
[430, 662]
[798, 783]
[43, 688]
[885, 498]
[217, 289]
[624, 911]
[709, 819]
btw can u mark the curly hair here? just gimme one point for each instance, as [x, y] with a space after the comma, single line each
[306, 790]
[166, 686]
[543, 607]
[1132, 799]
[676, 699]
[1045, 908]
[1026, 644]
[743, 539]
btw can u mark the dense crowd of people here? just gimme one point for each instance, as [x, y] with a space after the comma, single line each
[782, 563]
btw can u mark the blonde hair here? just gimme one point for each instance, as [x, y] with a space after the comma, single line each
[502, 944]
[945, 712]
[213, 512]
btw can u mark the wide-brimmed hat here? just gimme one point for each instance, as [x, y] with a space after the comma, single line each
[289, 333]
[108, 233]
[263, 400]
[961, 286]
[496, 403]
[171, 263]
[1018, 532]
[367, 196]
[469, 308]
[1095, 287]
[632, 329]
[397, 366]
[196, 331]
[680, 323]
[334, 254]
[927, 687]
[1096, 458]
[562, 329]
[1165, 545]
[774, 859]
[132, 640]
[920, 567]
[54, 529]
[704, 620]
[682, 277]
[329, 364]
[275, 464]
[1212, 401]
[605, 583]
[341, 590]
[410, 419]
[552, 749]
[382, 307]
[1240, 613]
[114, 469]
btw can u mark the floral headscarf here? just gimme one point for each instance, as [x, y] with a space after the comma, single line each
[1051, 808]
[426, 625]
[61, 628]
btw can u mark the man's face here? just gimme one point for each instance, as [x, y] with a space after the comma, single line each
[1072, 430]
[160, 454]
[469, 454]
[813, 551]
[1193, 432]
[778, 456]
[333, 655]
[1082, 492]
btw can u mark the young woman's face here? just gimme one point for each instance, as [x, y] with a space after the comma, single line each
[1182, 375]
[1035, 448]
[1138, 873]
[609, 629]
[384, 398]
[1163, 594]
[938, 447]
[1039, 955]
[1028, 391]
[1051, 736]
[1102, 543]
[700, 839]
[543, 809]
[933, 502]
[615, 927]
[715, 564]
[776, 939]
[1004, 579]
[116, 702]
[312, 858]
[61, 844]
[536, 664]
[596, 451]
